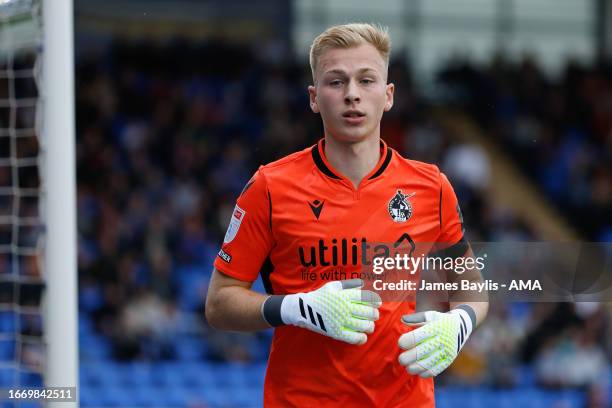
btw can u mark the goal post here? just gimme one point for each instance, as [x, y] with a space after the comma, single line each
[38, 252]
[59, 183]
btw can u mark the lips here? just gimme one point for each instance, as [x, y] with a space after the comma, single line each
[353, 117]
[353, 114]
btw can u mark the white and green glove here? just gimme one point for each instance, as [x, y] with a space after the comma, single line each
[432, 347]
[338, 309]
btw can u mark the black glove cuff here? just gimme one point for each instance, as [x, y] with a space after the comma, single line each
[471, 313]
[271, 310]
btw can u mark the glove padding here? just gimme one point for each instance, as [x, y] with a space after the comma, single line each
[435, 344]
[338, 309]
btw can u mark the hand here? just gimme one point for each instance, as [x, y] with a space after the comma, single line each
[338, 309]
[435, 344]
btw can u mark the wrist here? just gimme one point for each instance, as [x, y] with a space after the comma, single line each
[271, 310]
[467, 318]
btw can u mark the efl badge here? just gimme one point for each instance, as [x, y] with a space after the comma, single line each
[400, 209]
[234, 225]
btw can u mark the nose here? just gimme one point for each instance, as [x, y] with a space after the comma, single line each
[352, 93]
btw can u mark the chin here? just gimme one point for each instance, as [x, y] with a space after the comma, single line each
[351, 135]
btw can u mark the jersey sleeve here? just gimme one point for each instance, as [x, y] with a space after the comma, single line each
[248, 239]
[451, 219]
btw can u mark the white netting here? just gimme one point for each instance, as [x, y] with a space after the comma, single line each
[21, 226]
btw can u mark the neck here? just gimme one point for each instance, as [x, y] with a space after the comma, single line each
[353, 160]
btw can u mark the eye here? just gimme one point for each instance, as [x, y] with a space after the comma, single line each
[335, 82]
[367, 81]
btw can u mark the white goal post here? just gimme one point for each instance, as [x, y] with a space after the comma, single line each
[59, 181]
[38, 248]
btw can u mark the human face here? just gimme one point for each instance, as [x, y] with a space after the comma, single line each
[351, 92]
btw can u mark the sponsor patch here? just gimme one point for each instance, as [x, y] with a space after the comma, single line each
[234, 225]
[225, 256]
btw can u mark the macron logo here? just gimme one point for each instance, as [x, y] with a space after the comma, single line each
[316, 206]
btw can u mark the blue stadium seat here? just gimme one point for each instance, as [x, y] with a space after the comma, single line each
[85, 324]
[7, 350]
[146, 396]
[103, 372]
[89, 375]
[31, 404]
[255, 375]
[196, 374]
[94, 347]
[115, 396]
[158, 376]
[569, 398]
[448, 397]
[167, 375]
[173, 396]
[31, 379]
[246, 397]
[216, 398]
[7, 322]
[525, 376]
[191, 282]
[133, 374]
[89, 395]
[230, 375]
[190, 349]
[8, 377]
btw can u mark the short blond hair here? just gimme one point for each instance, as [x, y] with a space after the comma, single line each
[348, 36]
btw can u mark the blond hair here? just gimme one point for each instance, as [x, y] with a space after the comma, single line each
[348, 36]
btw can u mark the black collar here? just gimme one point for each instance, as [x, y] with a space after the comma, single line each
[329, 172]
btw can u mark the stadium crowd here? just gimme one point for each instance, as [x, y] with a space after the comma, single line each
[169, 134]
[558, 129]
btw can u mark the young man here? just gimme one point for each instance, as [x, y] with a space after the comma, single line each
[309, 216]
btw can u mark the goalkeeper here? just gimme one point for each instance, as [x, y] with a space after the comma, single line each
[310, 215]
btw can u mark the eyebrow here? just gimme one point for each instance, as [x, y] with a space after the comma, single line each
[340, 71]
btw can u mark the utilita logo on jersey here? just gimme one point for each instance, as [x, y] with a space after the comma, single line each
[350, 251]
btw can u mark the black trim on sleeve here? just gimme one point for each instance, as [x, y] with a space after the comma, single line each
[271, 310]
[454, 251]
[316, 156]
[266, 270]
[270, 210]
[458, 250]
[247, 186]
[440, 208]
[385, 164]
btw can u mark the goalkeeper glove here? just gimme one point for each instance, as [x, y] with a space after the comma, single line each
[432, 347]
[338, 309]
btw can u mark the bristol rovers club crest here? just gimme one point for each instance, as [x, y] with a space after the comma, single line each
[400, 209]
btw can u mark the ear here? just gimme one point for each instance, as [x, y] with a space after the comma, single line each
[312, 94]
[389, 92]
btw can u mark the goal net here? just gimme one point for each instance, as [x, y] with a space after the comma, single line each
[22, 351]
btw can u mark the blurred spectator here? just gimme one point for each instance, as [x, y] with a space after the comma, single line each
[169, 134]
[559, 130]
[469, 165]
[573, 359]
[146, 327]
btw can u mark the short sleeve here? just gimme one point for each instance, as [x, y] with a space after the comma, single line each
[451, 220]
[248, 240]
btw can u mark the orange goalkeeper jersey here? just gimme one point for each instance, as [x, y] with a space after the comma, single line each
[300, 223]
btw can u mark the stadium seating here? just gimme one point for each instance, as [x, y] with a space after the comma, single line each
[230, 385]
